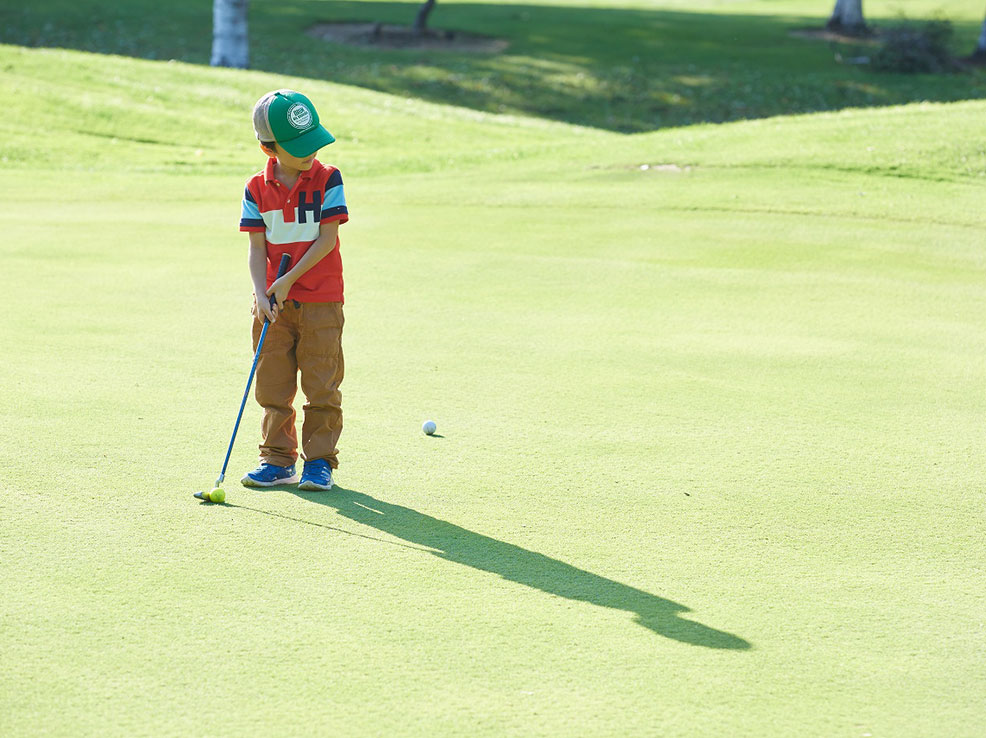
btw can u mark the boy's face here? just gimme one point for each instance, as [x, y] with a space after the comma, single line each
[302, 164]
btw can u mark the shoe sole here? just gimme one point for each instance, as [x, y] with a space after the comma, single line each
[314, 487]
[247, 481]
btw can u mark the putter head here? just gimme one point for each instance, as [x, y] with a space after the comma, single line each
[202, 496]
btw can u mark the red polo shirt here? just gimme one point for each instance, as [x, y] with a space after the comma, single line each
[291, 218]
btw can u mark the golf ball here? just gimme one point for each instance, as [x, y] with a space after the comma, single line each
[429, 427]
[217, 495]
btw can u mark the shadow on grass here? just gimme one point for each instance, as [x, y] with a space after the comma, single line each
[516, 564]
[621, 69]
[314, 524]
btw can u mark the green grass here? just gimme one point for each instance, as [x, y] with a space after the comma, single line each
[641, 65]
[712, 444]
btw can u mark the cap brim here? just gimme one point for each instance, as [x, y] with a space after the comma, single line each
[308, 143]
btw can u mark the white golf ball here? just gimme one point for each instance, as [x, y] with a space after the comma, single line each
[429, 427]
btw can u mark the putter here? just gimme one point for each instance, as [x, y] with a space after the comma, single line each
[281, 269]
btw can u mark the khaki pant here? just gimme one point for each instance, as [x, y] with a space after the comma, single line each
[305, 337]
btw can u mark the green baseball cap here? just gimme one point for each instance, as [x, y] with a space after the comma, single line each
[289, 118]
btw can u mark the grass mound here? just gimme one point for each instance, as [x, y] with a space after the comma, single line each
[637, 66]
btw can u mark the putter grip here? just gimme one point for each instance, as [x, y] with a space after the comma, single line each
[282, 269]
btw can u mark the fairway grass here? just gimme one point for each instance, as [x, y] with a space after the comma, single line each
[709, 402]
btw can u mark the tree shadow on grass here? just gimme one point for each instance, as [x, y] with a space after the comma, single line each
[616, 68]
[516, 564]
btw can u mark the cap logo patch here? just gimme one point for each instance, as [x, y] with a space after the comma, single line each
[299, 116]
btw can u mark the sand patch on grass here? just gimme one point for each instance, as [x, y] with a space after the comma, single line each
[383, 36]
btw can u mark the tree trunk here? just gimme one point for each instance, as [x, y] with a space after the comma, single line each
[421, 22]
[230, 43]
[847, 16]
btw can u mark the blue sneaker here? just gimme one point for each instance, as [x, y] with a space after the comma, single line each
[316, 476]
[267, 475]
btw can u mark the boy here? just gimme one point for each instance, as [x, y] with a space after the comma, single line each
[294, 206]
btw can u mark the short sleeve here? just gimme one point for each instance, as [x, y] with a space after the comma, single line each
[334, 200]
[250, 218]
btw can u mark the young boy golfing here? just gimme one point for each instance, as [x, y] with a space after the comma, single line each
[294, 206]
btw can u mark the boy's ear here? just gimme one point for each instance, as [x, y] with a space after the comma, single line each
[270, 152]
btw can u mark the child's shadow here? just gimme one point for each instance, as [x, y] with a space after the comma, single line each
[522, 566]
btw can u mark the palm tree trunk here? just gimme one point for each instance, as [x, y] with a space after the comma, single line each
[847, 16]
[230, 42]
[421, 22]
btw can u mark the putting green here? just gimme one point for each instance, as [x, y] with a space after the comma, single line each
[709, 403]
